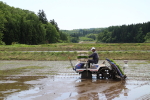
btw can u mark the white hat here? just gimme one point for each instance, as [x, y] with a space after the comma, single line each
[92, 48]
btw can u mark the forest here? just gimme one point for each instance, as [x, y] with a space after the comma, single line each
[25, 27]
[134, 33]
[77, 35]
[19, 26]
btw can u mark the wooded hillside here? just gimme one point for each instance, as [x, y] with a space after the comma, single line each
[25, 27]
[77, 35]
[134, 33]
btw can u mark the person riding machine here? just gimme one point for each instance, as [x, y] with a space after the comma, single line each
[105, 70]
[95, 57]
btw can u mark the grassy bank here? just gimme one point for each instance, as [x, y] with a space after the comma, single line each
[77, 46]
[63, 56]
[130, 51]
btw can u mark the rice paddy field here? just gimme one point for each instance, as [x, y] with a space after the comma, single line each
[61, 51]
[55, 80]
[44, 72]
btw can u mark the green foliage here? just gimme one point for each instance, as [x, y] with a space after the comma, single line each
[134, 33]
[25, 27]
[78, 47]
[2, 21]
[105, 36]
[74, 39]
[147, 37]
[139, 38]
[54, 24]
[85, 39]
[52, 35]
[89, 34]
[117, 66]
[79, 57]
[92, 36]
[17, 55]
[63, 36]
[1, 37]
[42, 17]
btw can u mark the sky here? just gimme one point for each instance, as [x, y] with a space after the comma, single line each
[83, 14]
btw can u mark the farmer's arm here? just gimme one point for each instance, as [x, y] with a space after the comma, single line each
[92, 55]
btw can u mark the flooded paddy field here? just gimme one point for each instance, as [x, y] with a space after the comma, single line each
[55, 80]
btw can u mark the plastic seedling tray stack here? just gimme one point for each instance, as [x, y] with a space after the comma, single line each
[82, 56]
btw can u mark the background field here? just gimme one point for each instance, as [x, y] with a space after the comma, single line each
[61, 51]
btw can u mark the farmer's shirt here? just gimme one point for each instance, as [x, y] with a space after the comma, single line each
[95, 56]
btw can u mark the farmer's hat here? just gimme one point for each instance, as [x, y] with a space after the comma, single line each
[93, 48]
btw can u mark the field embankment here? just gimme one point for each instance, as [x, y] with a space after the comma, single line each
[130, 51]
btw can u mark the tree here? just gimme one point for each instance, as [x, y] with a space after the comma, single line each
[1, 42]
[92, 36]
[52, 36]
[139, 38]
[147, 37]
[63, 36]
[54, 24]
[74, 39]
[25, 27]
[42, 17]
[2, 21]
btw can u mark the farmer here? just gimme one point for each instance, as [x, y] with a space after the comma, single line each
[95, 57]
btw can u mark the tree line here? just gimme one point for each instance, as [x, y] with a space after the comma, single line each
[77, 35]
[25, 27]
[134, 33]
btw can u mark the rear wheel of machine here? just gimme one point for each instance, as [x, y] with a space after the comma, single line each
[105, 73]
[86, 75]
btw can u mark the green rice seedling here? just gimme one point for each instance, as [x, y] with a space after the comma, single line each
[14, 52]
[117, 66]
[26, 53]
[79, 57]
[48, 53]
[19, 52]
[42, 53]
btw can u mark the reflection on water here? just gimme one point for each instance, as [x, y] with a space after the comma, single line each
[12, 84]
[116, 90]
[101, 89]
[69, 86]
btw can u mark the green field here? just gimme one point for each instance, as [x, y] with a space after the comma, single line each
[116, 51]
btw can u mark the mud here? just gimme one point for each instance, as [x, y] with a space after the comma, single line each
[57, 81]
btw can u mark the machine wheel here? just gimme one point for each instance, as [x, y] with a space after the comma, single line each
[105, 73]
[86, 75]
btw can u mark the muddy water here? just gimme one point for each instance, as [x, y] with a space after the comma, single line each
[55, 80]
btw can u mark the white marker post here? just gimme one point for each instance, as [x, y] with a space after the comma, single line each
[125, 65]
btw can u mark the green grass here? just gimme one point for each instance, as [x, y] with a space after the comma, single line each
[119, 51]
[63, 56]
[85, 39]
[76, 46]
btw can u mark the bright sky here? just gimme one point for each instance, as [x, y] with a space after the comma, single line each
[75, 14]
